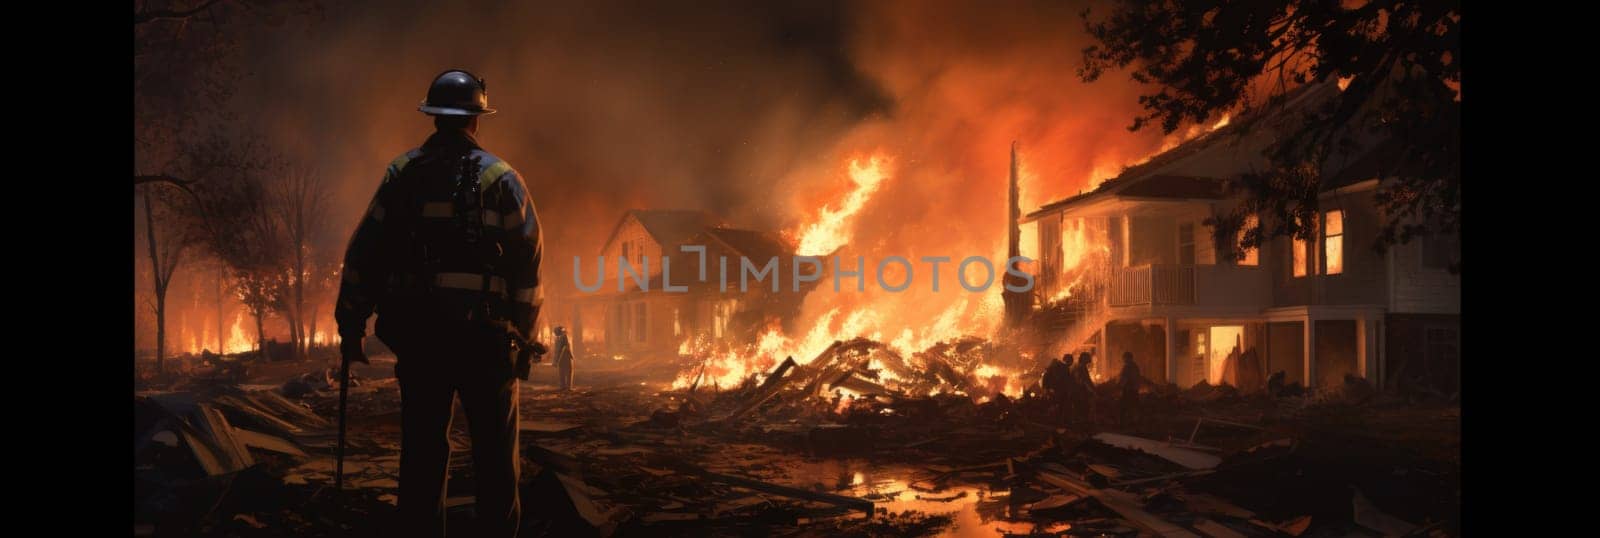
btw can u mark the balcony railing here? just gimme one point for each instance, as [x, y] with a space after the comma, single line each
[1156, 284]
[1205, 285]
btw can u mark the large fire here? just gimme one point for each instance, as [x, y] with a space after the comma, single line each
[844, 317]
[832, 226]
[238, 339]
[904, 326]
[1082, 254]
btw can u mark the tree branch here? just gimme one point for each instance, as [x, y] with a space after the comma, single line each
[172, 14]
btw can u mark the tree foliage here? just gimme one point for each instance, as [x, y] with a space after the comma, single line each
[1401, 64]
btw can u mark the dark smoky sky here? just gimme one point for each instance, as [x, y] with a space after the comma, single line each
[751, 110]
[602, 105]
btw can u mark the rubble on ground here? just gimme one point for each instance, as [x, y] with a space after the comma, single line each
[858, 441]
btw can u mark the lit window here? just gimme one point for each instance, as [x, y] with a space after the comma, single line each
[1299, 261]
[1333, 242]
[1251, 254]
[1303, 262]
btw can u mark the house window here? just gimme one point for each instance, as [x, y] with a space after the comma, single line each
[1333, 242]
[677, 322]
[625, 255]
[1299, 261]
[1186, 243]
[639, 328]
[1303, 262]
[1252, 255]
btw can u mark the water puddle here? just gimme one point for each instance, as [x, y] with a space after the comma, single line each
[975, 509]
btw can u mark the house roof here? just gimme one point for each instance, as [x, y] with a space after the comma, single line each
[667, 226]
[1199, 168]
[1175, 186]
[670, 226]
[756, 245]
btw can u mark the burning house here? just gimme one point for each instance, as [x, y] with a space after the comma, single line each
[1130, 266]
[634, 313]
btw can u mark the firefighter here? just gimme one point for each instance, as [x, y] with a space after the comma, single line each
[563, 355]
[447, 255]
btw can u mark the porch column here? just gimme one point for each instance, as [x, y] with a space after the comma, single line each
[1171, 329]
[1310, 351]
[1383, 359]
[1362, 360]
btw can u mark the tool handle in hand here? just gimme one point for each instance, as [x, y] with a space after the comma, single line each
[344, 394]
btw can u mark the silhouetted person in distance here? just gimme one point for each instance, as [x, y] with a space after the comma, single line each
[1084, 383]
[448, 256]
[563, 356]
[1130, 379]
[1054, 375]
[1057, 383]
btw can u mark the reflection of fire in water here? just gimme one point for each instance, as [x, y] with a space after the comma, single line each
[896, 490]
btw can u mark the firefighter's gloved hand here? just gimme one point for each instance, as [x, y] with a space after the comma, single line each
[350, 350]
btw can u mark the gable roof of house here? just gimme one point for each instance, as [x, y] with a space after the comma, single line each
[666, 226]
[756, 245]
[1199, 168]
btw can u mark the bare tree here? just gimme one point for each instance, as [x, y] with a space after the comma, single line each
[185, 74]
[259, 279]
[165, 245]
[300, 201]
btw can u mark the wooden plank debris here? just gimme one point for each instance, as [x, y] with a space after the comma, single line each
[769, 388]
[1123, 503]
[1192, 459]
[786, 491]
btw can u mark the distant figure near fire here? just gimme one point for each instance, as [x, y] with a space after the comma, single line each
[1130, 381]
[563, 355]
[1085, 384]
[448, 255]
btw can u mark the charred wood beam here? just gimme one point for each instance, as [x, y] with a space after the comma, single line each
[786, 491]
[769, 388]
[1123, 503]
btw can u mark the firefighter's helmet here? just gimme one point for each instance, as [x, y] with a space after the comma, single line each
[456, 93]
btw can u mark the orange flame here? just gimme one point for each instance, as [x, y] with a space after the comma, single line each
[832, 227]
